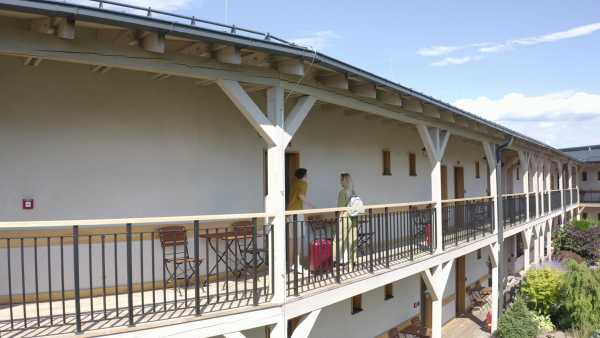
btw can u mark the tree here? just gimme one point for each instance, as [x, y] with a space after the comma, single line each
[543, 289]
[582, 296]
[517, 322]
[581, 237]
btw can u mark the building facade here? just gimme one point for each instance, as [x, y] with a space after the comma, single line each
[115, 125]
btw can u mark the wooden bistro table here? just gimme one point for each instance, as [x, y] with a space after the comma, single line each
[236, 241]
[483, 290]
[417, 331]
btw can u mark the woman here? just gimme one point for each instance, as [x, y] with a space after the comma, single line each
[348, 229]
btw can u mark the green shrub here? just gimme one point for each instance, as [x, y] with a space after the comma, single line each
[582, 296]
[544, 322]
[518, 322]
[543, 288]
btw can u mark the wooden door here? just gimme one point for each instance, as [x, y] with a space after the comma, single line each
[461, 286]
[459, 192]
[292, 163]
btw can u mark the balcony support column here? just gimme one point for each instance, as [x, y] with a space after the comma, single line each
[549, 240]
[524, 157]
[489, 148]
[526, 245]
[435, 141]
[536, 184]
[493, 254]
[536, 243]
[277, 133]
[436, 279]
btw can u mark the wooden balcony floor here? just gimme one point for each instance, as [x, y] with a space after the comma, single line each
[468, 325]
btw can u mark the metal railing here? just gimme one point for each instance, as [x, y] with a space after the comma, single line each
[532, 206]
[555, 200]
[515, 210]
[232, 29]
[568, 195]
[84, 278]
[465, 221]
[589, 196]
[339, 247]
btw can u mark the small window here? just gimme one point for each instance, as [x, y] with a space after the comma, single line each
[356, 304]
[477, 169]
[599, 176]
[518, 176]
[387, 168]
[584, 176]
[389, 291]
[479, 253]
[598, 215]
[584, 215]
[412, 160]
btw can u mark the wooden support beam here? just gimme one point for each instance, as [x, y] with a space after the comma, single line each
[388, 97]
[412, 105]
[473, 125]
[460, 121]
[257, 59]
[446, 116]
[432, 111]
[66, 29]
[154, 42]
[291, 66]
[306, 324]
[336, 80]
[197, 48]
[204, 82]
[31, 61]
[329, 107]
[364, 89]
[100, 69]
[229, 54]
[297, 116]
[41, 25]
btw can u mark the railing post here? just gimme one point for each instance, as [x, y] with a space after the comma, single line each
[371, 240]
[411, 230]
[337, 247]
[254, 262]
[130, 275]
[197, 267]
[76, 278]
[387, 238]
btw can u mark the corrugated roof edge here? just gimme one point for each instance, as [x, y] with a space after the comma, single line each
[133, 21]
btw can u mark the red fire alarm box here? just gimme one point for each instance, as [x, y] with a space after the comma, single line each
[28, 203]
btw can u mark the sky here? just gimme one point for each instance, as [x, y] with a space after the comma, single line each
[532, 66]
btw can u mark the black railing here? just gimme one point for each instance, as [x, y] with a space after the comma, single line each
[589, 196]
[465, 221]
[515, 211]
[555, 202]
[532, 204]
[337, 247]
[85, 278]
[568, 198]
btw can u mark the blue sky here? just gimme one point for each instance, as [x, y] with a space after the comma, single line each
[532, 66]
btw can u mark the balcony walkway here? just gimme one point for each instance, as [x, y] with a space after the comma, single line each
[468, 325]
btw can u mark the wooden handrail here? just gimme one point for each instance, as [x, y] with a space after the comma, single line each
[136, 221]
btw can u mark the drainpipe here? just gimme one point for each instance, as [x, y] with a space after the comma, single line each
[564, 181]
[500, 226]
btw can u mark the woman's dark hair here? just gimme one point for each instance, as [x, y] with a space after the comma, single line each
[300, 173]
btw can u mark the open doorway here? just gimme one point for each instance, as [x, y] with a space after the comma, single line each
[292, 163]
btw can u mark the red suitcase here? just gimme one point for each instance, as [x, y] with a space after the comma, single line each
[321, 255]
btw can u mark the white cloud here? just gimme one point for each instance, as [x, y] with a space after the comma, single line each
[172, 6]
[319, 40]
[571, 33]
[455, 61]
[437, 50]
[562, 119]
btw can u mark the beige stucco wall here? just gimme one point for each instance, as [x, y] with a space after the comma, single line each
[85, 145]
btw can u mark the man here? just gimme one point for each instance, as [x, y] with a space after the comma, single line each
[298, 191]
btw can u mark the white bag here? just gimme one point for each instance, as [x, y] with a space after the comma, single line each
[355, 201]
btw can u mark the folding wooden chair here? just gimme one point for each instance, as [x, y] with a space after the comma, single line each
[246, 247]
[177, 260]
[393, 333]
[476, 302]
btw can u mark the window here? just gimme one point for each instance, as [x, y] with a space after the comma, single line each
[387, 168]
[477, 169]
[599, 176]
[412, 160]
[389, 291]
[584, 176]
[356, 304]
[478, 253]
[518, 176]
[584, 215]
